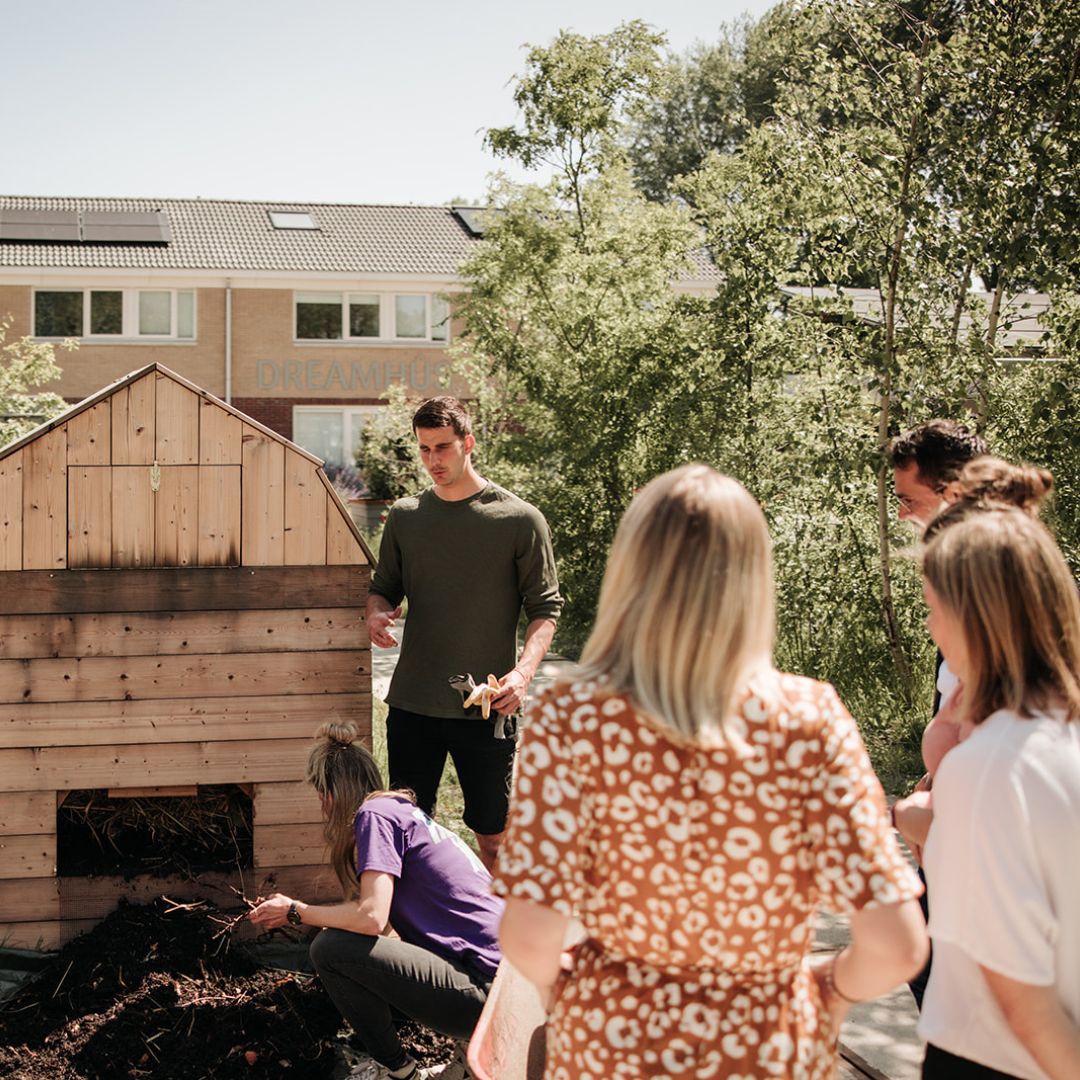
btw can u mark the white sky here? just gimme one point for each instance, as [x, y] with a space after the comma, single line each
[306, 100]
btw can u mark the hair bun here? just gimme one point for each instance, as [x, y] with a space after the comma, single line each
[343, 733]
[991, 480]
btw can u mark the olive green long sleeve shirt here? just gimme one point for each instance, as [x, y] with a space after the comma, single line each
[468, 568]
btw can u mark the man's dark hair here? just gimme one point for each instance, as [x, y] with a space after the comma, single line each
[439, 412]
[939, 449]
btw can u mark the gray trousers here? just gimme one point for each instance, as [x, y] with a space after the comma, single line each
[368, 977]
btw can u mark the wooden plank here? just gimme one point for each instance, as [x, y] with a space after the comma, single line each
[133, 516]
[176, 511]
[30, 899]
[77, 904]
[57, 768]
[305, 522]
[217, 588]
[334, 496]
[287, 803]
[219, 515]
[220, 435]
[107, 723]
[27, 813]
[175, 633]
[89, 516]
[83, 898]
[29, 856]
[11, 510]
[89, 439]
[133, 434]
[262, 497]
[177, 420]
[341, 545]
[206, 675]
[44, 493]
[287, 845]
[45, 935]
[178, 791]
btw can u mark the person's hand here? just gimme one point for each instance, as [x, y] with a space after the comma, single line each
[272, 913]
[513, 687]
[836, 1008]
[379, 628]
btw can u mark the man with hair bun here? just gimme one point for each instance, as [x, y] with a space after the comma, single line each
[470, 557]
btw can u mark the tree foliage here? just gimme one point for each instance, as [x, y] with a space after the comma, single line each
[858, 170]
[25, 364]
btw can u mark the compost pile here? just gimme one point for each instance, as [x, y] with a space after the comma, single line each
[98, 835]
[157, 992]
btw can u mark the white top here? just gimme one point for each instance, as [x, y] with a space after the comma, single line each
[947, 682]
[1003, 867]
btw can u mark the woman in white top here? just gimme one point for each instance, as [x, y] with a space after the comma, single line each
[1002, 853]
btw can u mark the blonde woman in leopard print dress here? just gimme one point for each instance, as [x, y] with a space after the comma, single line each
[692, 806]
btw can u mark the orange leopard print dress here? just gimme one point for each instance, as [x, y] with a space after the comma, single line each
[695, 873]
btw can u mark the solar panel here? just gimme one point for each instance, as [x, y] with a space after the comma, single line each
[125, 227]
[53, 226]
[472, 217]
[87, 226]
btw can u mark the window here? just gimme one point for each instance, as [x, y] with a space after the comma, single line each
[363, 316]
[330, 432]
[410, 316]
[130, 314]
[355, 316]
[318, 316]
[291, 219]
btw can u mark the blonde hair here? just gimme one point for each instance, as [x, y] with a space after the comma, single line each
[1002, 575]
[344, 774]
[685, 618]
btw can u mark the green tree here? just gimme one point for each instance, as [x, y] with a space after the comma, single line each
[578, 346]
[891, 163]
[25, 364]
[888, 153]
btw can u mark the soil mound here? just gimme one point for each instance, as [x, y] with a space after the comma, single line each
[155, 992]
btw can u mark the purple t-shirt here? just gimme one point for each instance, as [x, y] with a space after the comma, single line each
[442, 896]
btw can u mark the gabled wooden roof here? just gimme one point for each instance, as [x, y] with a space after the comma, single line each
[155, 471]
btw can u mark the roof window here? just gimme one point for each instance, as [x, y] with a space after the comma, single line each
[292, 219]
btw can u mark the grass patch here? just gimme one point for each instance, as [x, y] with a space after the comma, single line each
[449, 803]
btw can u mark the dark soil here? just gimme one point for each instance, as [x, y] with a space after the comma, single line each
[155, 992]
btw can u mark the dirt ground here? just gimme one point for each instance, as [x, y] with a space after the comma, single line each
[160, 992]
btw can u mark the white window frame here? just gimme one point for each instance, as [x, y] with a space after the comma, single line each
[387, 319]
[129, 334]
[350, 415]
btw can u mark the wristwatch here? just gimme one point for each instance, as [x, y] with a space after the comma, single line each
[294, 916]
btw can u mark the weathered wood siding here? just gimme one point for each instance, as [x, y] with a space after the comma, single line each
[180, 691]
[161, 474]
[181, 603]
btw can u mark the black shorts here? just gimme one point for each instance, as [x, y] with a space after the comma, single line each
[417, 747]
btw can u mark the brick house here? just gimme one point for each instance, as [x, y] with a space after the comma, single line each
[299, 315]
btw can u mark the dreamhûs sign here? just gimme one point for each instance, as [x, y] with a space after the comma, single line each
[350, 376]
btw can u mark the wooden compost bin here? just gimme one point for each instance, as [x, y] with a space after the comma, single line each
[181, 603]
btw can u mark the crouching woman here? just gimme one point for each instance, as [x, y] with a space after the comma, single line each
[397, 869]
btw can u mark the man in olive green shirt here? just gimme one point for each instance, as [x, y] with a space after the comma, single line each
[470, 557]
